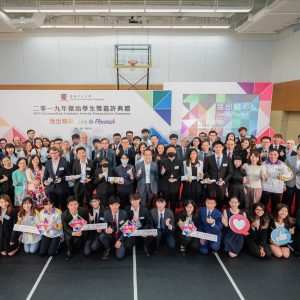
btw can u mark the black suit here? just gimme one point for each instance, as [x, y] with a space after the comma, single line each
[211, 171]
[58, 192]
[104, 188]
[6, 232]
[83, 190]
[145, 223]
[73, 241]
[131, 156]
[109, 154]
[170, 191]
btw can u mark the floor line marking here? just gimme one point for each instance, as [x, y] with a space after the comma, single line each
[39, 278]
[135, 289]
[229, 277]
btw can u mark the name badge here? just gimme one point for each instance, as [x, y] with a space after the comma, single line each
[6, 217]
[225, 165]
[101, 219]
[176, 167]
[121, 222]
[88, 169]
[61, 168]
[142, 218]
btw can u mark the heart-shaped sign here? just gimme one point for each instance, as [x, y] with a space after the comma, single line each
[239, 224]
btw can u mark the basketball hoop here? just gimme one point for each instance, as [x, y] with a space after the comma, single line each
[133, 63]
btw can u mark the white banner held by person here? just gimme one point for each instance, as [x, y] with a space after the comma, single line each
[26, 228]
[96, 226]
[204, 236]
[145, 232]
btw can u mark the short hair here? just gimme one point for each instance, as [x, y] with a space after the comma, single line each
[71, 199]
[277, 135]
[135, 196]
[124, 138]
[202, 132]
[148, 150]
[211, 198]
[145, 130]
[80, 148]
[265, 137]
[170, 146]
[173, 136]
[95, 197]
[160, 200]
[3, 139]
[75, 136]
[153, 136]
[129, 131]
[273, 150]
[30, 130]
[242, 128]
[54, 149]
[104, 139]
[116, 134]
[10, 145]
[96, 141]
[114, 199]
[47, 201]
[136, 138]
[58, 140]
[213, 131]
[218, 143]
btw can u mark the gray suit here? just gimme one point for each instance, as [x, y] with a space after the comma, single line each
[292, 164]
[201, 154]
[147, 191]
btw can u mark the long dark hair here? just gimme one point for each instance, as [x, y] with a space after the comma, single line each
[22, 212]
[7, 199]
[264, 219]
[188, 158]
[287, 220]
[256, 154]
[30, 165]
[186, 203]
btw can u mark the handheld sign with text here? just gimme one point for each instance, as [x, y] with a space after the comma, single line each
[77, 223]
[43, 227]
[281, 236]
[128, 228]
[187, 227]
[239, 224]
[97, 226]
[26, 228]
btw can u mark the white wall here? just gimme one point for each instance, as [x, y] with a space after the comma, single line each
[86, 57]
[286, 64]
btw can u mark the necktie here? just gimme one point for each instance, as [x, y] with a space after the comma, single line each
[183, 151]
[126, 151]
[115, 226]
[229, 154]
[96, 218]
[161, 221]
[208, 213]
[104, 153]
[204, 155]
[218, 162]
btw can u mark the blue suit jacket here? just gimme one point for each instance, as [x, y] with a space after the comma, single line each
[141, 180]
[205, 227]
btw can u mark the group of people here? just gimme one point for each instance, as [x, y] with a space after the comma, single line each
[152, 185]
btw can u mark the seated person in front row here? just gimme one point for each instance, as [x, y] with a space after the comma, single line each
[210, 221]
[163, 220]
[115, 218]
[96, 215]
[73, 238]
[139, 215]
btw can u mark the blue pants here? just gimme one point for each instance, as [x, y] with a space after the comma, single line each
[214, 246]
[31, 248]
[168, 235]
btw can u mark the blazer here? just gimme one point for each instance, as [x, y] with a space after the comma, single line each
[234, 153]
[179, 152]
[89, 172]
[122, 218]
[211, 171]
[110, 155]
[67, 217]
[188, 169]
[208, 228]
[6, 228]
[63, 170]
[291, 162]
[144, 216]
[167, 215]
[102, 185]
[201, 154]
[141, 180]
[174, 168]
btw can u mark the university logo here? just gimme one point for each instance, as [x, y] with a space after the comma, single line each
[63, 97]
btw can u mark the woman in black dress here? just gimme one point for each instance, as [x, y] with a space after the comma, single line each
[193, 172]
[236, 183]
[6, 184]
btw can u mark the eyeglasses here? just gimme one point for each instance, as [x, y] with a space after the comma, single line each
[258, 209]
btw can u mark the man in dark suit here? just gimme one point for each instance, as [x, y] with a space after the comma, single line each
[210, 221]
[97, 146]
[182, 151]
[277, 138]
[105, 152]
[289, 149]
[219, 168]
[96, 215]
[154, 143]
[116, 142]
[115, 218]
[264, 149]
[83, 186]
[163, 220]
[73, 239]
[229, 150]
[140, 217]
[205, 151]
[170, 172]
[56, 186]
[147, 179]
[127, 150]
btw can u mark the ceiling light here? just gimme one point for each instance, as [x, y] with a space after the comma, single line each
[156, 27]
[69, 26]
[97, 26]
[196, 10]
[129, 10]
[127, 27]
[47, 26]
[186, 27]
[56, 10]
[233, 10]
[215, 26]
[96, 10]
[8, 10]
[161, 10]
